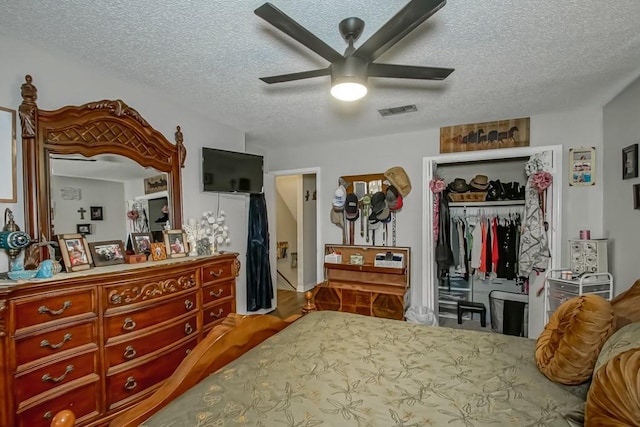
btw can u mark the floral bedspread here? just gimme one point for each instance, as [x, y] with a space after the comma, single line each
[339, 369]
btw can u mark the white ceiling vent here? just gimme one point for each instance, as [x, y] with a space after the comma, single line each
[386, 112]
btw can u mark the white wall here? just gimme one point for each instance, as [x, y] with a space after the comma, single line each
[621, 118]
[582, 205]
[63, 80]
[286, 229]
[309, 242]
[107, 194]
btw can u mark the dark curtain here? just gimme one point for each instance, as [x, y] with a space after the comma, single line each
[259, 284]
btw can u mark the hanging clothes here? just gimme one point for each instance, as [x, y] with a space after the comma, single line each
[259, 284]
[534, 247]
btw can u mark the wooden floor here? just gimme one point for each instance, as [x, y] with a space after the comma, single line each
[289, 302]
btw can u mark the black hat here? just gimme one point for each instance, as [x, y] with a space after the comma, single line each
[351, 207]
[378, 202]
[459, 185]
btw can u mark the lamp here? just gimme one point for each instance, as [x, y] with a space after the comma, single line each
[348, 79]
[348, 90]
[11, 238]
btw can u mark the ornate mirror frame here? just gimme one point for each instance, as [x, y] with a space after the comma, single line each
[102, 127]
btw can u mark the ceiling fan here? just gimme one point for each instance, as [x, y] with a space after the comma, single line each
[349, 72]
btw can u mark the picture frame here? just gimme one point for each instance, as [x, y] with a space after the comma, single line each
[155, 184]
[636, 196]
[175, 242]
[158, 251]
[75, 252]
[582, 166]
[83, 229]
[630, 162]
[141, 242]
[8, 156]
[109, 252]
[96, 213]
[508, 133]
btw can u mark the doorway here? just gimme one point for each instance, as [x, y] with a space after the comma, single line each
[294, 239]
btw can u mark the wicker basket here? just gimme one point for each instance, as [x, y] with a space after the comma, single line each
[476, 196]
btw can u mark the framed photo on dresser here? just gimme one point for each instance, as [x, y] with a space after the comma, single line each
[75, 251]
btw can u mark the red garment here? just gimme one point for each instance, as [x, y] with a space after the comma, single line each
[483, 253]
[494, 241]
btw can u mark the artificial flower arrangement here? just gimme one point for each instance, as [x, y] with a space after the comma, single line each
[207, 233]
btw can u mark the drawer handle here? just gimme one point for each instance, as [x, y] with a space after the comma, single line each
[50, 379]
[44, 309]
[129, 324]
[218, 314]
[48, 415]
[130, 384]
[129, 352]
[187, 351]
[217, 293]
[188, 304]
[188, 329]
[45, 343]
[214, 274]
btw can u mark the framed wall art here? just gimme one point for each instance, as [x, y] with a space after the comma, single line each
[83, 228]
[107, 253]
[75, 251]
[8, 186]
[636, 196]
[630, 162]
[485, 136]
[155, 184]
[141, 242]
[96, 213]
[582, 165]
[175, 242]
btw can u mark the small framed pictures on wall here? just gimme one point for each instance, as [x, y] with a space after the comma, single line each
[630, 162]
[582, 166]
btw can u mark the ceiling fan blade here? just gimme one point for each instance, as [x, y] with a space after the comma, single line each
[408, 72]
[297, 76]
[402, 23]
[284, 23]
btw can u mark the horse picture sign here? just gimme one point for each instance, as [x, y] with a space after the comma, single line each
[485, 136]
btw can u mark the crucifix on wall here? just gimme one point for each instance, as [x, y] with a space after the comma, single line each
[82, 212]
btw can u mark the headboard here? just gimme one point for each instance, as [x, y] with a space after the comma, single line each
[102, 127]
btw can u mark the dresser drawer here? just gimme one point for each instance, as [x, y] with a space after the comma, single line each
[218, 271]
[52, 307]
[149, 289]
[148, 343]
[128, 383]
[83, 401]
[216, 312]
[55, 341]
[150, 315]
[218, 291]
[45, 378]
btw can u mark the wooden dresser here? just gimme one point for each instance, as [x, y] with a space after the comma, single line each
[365, 288]
[98, 341]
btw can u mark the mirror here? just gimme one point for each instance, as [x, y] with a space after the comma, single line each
[106, 132]
[93, 196]
[8, 155]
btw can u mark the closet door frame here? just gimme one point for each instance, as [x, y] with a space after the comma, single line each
[554, 217]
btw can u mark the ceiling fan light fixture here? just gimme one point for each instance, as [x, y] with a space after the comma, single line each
[348, 89]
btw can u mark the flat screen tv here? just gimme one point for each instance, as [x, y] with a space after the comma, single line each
[231, 171]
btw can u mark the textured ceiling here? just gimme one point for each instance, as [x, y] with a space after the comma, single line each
[512, 58]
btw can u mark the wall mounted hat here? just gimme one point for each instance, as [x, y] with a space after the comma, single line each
[459, 185]
[339, 197]
[399, 179]
[351, 207]
[378, 202]
[480, 182]
[394, 199]
[337, 218]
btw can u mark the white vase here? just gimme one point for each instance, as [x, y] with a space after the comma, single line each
[193, 251]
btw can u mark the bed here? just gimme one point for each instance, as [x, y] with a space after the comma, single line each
[332, 368]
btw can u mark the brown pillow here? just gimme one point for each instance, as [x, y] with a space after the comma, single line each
[613, 398]
[625, 306]
[568, 348]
